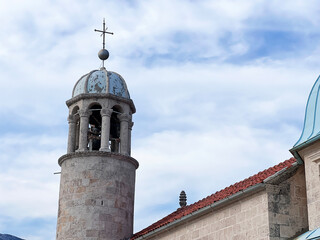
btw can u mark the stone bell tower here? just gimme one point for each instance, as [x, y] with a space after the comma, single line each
[97, 184]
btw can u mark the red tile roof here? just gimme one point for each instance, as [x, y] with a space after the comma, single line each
[224, 193]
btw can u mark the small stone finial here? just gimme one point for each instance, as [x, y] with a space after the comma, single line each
[183, 199]
[103, 53]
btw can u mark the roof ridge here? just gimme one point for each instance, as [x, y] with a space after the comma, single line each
[217, 196]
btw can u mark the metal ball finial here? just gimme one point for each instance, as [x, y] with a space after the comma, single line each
[103, 54]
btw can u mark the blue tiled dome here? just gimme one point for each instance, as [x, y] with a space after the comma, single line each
[311, 128]
[101, 81]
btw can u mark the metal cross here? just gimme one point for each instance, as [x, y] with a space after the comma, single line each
[103, 32]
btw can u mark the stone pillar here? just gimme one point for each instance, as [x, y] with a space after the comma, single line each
[129, 139]
[311, 158]
[84, 125]
[72, 134]
[105, 129]
[124, 132]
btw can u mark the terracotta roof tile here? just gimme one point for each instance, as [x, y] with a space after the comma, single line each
[228, 191]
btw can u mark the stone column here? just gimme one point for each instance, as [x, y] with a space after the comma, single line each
[311, 158]
[77, 131]
[129, 138]
[84, 126]
[72, 134]
[105, 129]
[124, 132]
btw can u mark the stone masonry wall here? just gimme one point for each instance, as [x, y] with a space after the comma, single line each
[288, 206]
[277, 213]
[246, 219]
[311, 157]
[96, 197]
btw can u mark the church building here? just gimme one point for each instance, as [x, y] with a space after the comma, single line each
[97, 185]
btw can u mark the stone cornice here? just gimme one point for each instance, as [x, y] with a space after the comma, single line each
[117, 156]
[101, 95]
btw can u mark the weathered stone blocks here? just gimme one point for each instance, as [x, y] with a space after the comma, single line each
[278, 211]
[96, 196]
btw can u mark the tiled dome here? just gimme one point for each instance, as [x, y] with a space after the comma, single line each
[101, 81]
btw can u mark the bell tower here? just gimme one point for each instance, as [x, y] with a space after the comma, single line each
[97, 184]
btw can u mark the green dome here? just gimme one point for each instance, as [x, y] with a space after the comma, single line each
[311, 128]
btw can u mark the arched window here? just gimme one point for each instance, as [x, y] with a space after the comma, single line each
[115, 129]
[94, 131]
[76, 118]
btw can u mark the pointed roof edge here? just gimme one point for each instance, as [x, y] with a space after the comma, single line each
[295, 150]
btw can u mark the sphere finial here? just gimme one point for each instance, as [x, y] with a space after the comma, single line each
[103, 53]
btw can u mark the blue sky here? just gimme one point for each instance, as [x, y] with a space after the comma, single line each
[220, 89]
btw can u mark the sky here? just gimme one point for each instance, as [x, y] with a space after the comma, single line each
[220, 89]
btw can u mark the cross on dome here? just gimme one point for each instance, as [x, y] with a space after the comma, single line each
[103, 53]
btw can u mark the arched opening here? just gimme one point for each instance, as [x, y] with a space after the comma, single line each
[76, 118]
[114, 139]
[94, 132]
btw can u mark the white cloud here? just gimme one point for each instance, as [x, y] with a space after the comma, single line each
[200, 163]
[190, 113]
[28, 187]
